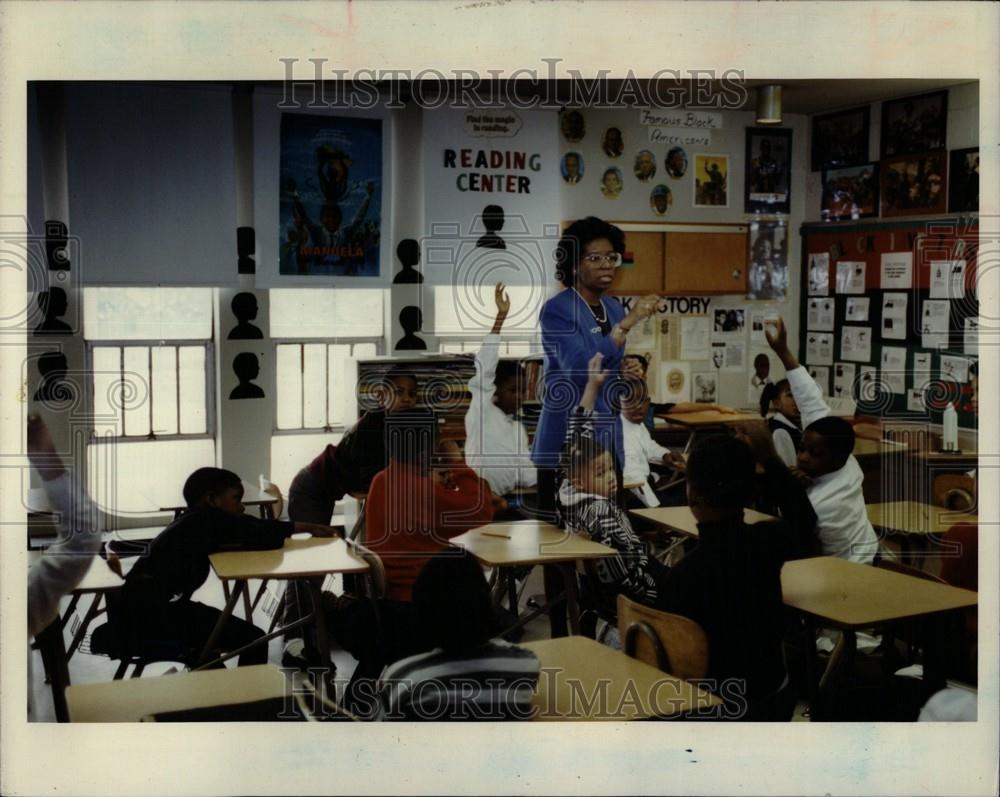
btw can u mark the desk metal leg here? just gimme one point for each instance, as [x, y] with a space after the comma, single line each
[53, 650]
[329, 686]
[247, 608]
[690, 440]
[511, 579]
[572, 601]
[227, 612]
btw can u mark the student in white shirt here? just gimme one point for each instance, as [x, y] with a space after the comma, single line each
[785, 424]
[496, 444]
[832, 476]
[640, 449]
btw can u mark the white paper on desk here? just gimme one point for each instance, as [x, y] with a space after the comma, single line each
[893, 374]
[921, 368]
[970, 343]
[894, 316]
[851, 276]
[735, 356]
[857, 309]
[954, 369]
[821, 315]
[696, 333]
[856, 344]
[819, 348]
[819, 274]
[915, 399]
[675, 381]
[843, 380]
[947, 279]
[934, 319]
[897, 270]
[821, 374]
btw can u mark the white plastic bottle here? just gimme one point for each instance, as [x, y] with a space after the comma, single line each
[949, 436]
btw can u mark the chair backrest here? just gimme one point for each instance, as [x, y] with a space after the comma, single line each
[906, 570]
[955, 491]
[672, 643]
[376, 570]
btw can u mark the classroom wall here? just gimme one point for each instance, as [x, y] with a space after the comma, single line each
[244, 427]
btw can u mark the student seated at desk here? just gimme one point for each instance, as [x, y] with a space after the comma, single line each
[413, 510]
[468, 674]
[825, 464]
[496, 443]
[155, 603]
[730, 583]
[587, 505]
[786, 423]
[641, 450]
[636, 365]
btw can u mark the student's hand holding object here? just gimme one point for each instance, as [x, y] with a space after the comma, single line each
[676, 461]
[803, 479]
[777, 339]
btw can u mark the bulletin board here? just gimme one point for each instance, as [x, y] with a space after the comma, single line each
[923, 348]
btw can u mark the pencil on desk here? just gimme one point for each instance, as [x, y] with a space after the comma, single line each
[491, 534]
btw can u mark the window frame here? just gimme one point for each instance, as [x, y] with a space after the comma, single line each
[379, 343]
[211, 378]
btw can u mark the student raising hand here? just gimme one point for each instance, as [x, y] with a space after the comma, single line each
[596, 376]
[502, 301]
[777, 339]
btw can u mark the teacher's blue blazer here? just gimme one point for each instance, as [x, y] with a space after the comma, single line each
[570, 337]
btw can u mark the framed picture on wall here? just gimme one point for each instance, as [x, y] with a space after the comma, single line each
[711, 181]
[914, 124]
[850, 193]
[963, 181]
[840, 139]
[914, 185]
[768, 170]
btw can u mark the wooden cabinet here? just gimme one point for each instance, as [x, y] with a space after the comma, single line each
[683, 259]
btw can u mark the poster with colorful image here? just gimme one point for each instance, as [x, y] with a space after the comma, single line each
[711, 181]
[330, 195]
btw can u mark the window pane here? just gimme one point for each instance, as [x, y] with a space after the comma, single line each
[326, 312]
[469, 310]
[165, 390]
[147, 313]
[452, 348]
[518, 348]
[136, 394]
[314, 386]
[141, 476]
[363, 351]
[288, 367]
[107, 387]
[194, 417]
[292, 452]
[341, 380]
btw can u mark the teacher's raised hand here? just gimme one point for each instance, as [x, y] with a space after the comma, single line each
[640, 311]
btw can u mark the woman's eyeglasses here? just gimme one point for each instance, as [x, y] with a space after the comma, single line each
[613, 259]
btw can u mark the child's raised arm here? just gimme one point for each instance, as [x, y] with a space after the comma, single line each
[596, 377]
[503, 307]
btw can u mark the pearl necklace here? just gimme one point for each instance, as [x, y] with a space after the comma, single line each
[603, 320]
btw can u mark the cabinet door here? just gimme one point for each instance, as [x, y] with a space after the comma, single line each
[642, 268]
[705, 262]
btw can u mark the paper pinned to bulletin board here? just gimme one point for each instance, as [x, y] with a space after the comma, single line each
[675, 382]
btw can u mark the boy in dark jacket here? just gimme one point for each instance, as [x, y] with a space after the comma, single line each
[730, 583]
[155, 605]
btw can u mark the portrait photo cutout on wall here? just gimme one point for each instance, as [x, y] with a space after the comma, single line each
[850, 193]
[914, 185]
[840, 139]
[768, 170]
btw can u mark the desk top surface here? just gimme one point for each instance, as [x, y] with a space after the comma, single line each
[575, 668]
[864, 447]
[853, 595]
[708, 418]
[528, 542]
[916, 517]
[298, 558]
[681, 518]
[100, 578]
[131, 699]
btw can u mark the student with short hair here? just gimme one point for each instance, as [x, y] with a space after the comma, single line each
[155, 604]
[468, 674]
[496, 443]
[825, 463]
[730, 582]
[641, 450]
[784, 423]
[638, 366]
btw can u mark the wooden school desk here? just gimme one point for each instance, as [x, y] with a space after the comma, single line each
[132, 699]
[298, 559]
[98, 581]
[581, 679]
[532, 542]
[680, 519]
[696, 422]
[852, 596]
[914, 523]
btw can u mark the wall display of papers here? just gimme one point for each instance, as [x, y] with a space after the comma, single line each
[843, 380]
[821, 374]
[905, 312]
[819, 348]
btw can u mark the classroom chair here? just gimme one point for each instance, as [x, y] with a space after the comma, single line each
[675, 644]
